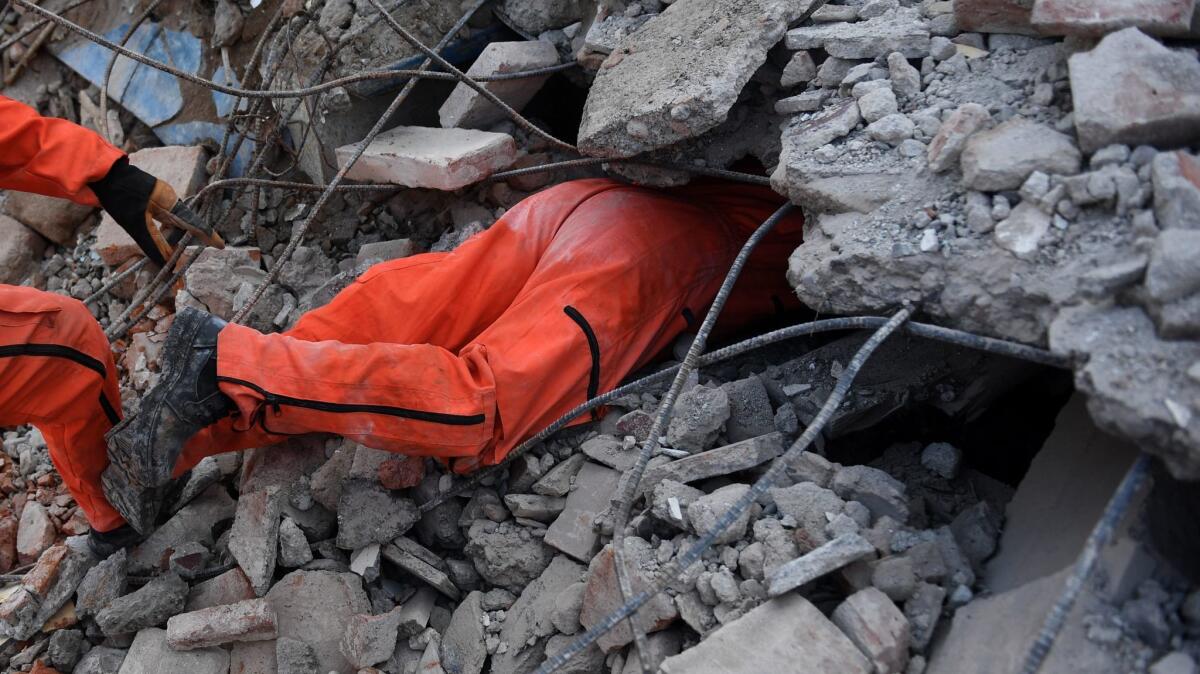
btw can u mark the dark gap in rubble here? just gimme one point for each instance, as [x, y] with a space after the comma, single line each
[559, 105]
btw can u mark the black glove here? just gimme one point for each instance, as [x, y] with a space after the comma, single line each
[128, 194]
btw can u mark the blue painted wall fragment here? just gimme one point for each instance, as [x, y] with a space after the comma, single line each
[194, 133]
[224, 102]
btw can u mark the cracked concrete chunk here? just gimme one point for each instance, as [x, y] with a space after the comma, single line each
[506, 554]
[699, 417]
[601, 596]
[1132, 90]
[1022, 230]
[826, 559]
[462, 649]
[253, 540]
[1176, 177]
[149, 606]
[368, 513]
[313, 607]
[249, 620]
[704, 512]
[572, 531]
[468, 109]
[150, 654]
[720, 461]
[1098, 17]
[528, 623]
[228, 588]
[784, 630]
[883, 494]
[947, 146]
[899, 30]
[877, 627]
[440, 159]
[678, 76]
[1003, 157]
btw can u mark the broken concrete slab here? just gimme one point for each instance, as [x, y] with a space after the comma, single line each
[704, 512]
[421, 570]
[602, 596]
[1176, 179]
[103, 583]
[528, 623]
[534, 17]
[101, 660]
[720, 461]
[678, 76]
[826, 559]
[45, 588]
[899, 30]
[293, 545]
[249, 620]
[440, 159]
[877, 627]
[313, 607]
[784, 630]
[35, 533]
[947, 146]
[506, 554]
[558, 480]
[181, 167]
[468, 109]
[253, 657]
[193, 522]
[750, 410]
[253, 540]
[370, 639]
[228, 588]
[811, 506]
[368, 513]
[1132, 90]
[150, 606]
[1088, 17]
[55, 219]
[1003, 157]
[462, 649]
[700, 414]
[572, 531]
[611, 452]
[150, 654]
[883, 494]
[994, 16]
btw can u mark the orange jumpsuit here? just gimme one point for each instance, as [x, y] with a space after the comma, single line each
[56, 369]
[463, 355]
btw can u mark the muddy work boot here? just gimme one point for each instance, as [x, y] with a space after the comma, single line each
[104, 543]
[143, 449]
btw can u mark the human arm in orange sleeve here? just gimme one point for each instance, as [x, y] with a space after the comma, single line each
[51, 156]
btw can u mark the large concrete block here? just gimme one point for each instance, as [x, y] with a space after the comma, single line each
[55, 219]
[20, 247]
[468, 109]
[441, 159]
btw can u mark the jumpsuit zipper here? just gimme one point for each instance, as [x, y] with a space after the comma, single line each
[276, 401]
[67, 353]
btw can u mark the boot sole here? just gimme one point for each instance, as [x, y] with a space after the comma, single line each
[137, 459]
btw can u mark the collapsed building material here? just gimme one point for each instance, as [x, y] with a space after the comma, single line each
[442, 159]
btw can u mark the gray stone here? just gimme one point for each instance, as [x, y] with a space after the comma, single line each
[923, 610]
[538, 16]
[1173, 273]
[811, 506]
[679, 75]
[720, 461]
[823, 560]
[611, 452]
[704, 512]
[700, 414]
[558, 480]
[149, 606]
[1022, 231]
[906, 80]
[293, 545]
[150, 654]
[1003, 157]
[952, 136]
[64, 649]
[892, 129]
[228, 588]
[194, 522]
[506, 554]
[900, 30]
[441, 159]
[535, 507]
[420, 568]
[296, 657]
[103, 583]
[101, 660]
[784, 634]
[249, 620]
[1132, 90]
[462, 648]
[602, 596]
[254, 538]
[55, 219]
[809, 101]
[1177, 662]
[877, 104]
[877, 627]
[567, 605]
[750, 411]
[811, 467]
[670, 500]
[368, 513]
[313, 607]
[528, 624]
[880, 492]
[591, 659]
[572, 531]
[799, 70]
[1176, 177]
[942, 458]
[370, 639]
[468, 109]
[976, 530]
[894, 577]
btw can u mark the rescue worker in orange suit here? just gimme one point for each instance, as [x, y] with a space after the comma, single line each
[462, 355]
[56, 369]
[458, 355]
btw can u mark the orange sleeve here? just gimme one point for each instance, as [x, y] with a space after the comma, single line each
[50, 156]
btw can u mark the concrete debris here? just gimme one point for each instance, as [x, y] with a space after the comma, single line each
[1176, 179]
[440, 159]
[1072, 17]
[506, 554]
[35, 533]
[463, 650]
[704, 512]
[293, 545]
[601, 595]
[811, 506]
[538, 16]
[368, 513]
[1003, 157]
[149, 606]
[468, 109]
[370, 639]
[877, 627]
[150, 654]
[881, 493]
[103, 583]
[249, 620]
[572, 532]
[254, 538]
[700, 414]
[230, 587]
[824, 560]
[720, 461]
[952, 135]
[1130, 89]
[293, 656]
[314, 607]
[750, 410]
[419, 567]
[679, 75]
[55, 219]
[101, 660]
[784, 630]
[899, 30]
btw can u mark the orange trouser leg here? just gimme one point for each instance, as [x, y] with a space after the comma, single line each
[58, 374]
[465, 354]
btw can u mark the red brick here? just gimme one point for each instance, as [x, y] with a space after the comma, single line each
[1097, 17]
[994, 16]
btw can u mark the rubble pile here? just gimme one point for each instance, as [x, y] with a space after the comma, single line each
[1021, 170]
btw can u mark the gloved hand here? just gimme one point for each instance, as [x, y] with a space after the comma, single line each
[136, 200]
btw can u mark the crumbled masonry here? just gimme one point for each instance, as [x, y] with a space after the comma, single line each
[1027, 170]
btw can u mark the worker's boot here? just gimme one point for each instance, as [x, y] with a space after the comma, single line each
[143, 449]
